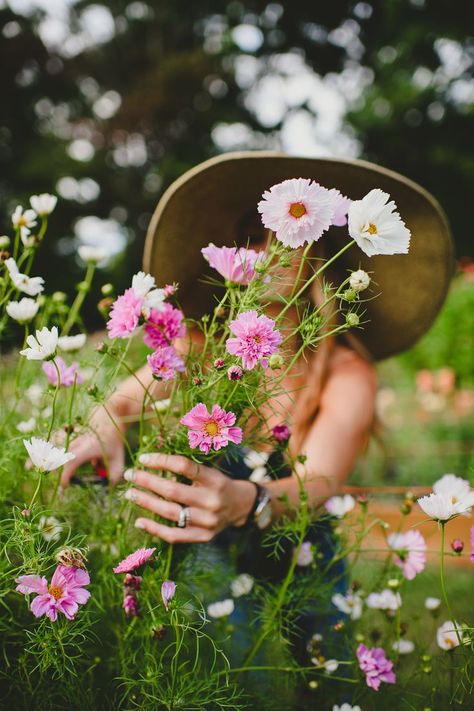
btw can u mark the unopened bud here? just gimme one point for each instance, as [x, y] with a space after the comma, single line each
[260, 267]
[349, 295]
[83, 286]
[93, 391]
[393, 583]
[107, 289]
[219, 363]
[313, 684]
[197, 380]
[352, 319]
[102, 347]
[4, 242]
[457, 545]
[285, 260]
[276, 361]
[59, 297]
[105, 305]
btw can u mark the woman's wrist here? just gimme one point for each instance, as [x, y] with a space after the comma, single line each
[245, 494]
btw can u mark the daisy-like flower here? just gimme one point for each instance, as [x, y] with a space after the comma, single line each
[223, 608]
[339, 506]
[305, 554]
[43, 345]
[168, 590]
[446, 636]
[410, 548]
[359, 280]
[26, 426]
[455, 487]
[23, 310]
[29, 285]
[24, 221]
[403, 646]
[211, 429]
[241, 585]
[162, 327]
[375, 666]
[134, 560]
[165, 363]
[43, 204]
[235, 265]
[385, 600]
[90, 254]
[432, 603]
[50, 528]
[67, 373]
[144, 286]
[441, 507]
[329, 665]
[125, 315]
[350, 604]
[45, 456]
[65, 593]
[342, 208]
[142, 283]
[69, 344]
[255, 339]
[345, 707]
[298, 211]
[376, 226]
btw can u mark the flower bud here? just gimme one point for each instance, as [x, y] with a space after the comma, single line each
[169, 290]
[339, 626]
[276, 361]
[352, 319]
[349, 295]
[197, 380]
[93, 391]
[59, 297]
[285, 260]
[219, 363]
[457, 545]
[102, 347]
[393, 583]
[4, 242]
[260, 267]
[71, 558]
[363, 500]
[235, 372]
[105, 305]
[107, 289]
[281, 433]
[313, 684]
[83, 286]
[26, 512]
[359, 280]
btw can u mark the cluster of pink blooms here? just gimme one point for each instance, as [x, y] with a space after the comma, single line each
[64, 594]
[165, 362]
[67, 374]
[125, 314]
[235, 265]
[376, 667]
[410, 549]
[211, 429]
[132, 582]
[255, 339]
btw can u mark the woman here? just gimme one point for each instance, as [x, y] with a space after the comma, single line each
[332, 413]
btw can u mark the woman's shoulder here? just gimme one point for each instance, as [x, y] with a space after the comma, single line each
[346, 360]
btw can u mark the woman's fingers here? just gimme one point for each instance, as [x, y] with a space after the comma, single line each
[178, 464]
[190, 534]
[82, 448]
[201, 497]
[171, 510]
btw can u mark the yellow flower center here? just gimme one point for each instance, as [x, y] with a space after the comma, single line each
[212, 428]
[55, 591]
[454, 499]
[297, 209]
[372, 229]
[21, 222]
[450, 642]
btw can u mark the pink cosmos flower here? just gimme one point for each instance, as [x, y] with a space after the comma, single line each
[255, 339]
[376, 666]
[342, 208]
[134, 560]
[66, 373]
[168, 590]
[65, 593]
[235, 265]
[130, 605]
[125, 314]
[298, 210]
[165, 363]
[410, 550]
[169, 290]
[471, 557]
[162, 327]
[211, 429]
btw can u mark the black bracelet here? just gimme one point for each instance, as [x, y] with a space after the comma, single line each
[258, 491]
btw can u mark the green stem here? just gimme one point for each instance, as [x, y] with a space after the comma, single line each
[169, 558]
[38, 487]
[78, 301]
[443, 586]
[58, 385]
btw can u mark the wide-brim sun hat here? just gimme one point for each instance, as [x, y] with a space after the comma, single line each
[216, 201]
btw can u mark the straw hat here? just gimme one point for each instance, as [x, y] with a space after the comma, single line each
[216, 201]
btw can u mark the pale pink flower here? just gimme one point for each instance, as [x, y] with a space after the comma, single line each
[168, 590]
[130, 605]
[376, 667]
[211, 429]
[305, 554]
[125, 315]
[67, 374]
[134, 560]
[169, 290]
[342, 208]
[298, 211]
[410, 550]
[165, 363]
[471, 557]
[65, 593]
[255, 339]
[162, 327]
[235, 265]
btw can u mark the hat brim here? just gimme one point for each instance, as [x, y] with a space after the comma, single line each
[210, 203]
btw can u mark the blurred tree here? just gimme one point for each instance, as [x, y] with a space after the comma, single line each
[108, 101]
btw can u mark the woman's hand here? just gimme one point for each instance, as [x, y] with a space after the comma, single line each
[215, 500]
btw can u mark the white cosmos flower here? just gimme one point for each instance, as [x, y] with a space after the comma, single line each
[142, 283]
[350, 604]
[29, 285]
[221, 608]
[43, 346]
[24, 221]
[23, 310]
[68, 344]
[455, 487]
[50, 528]
[26, 426]
[91, 254]
[446, 635]
[241, 585]
[254, 459]
[403, 646]
[385, 600]
[340, 505]
[43, 204]
[359, 280]
[329, 665]
[45, 456]
[376, 226]
[432, 603]
[442, 507]
[162, 405]
[155, 299]
[345, 707]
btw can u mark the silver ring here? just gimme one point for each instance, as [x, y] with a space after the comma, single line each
[184, 517]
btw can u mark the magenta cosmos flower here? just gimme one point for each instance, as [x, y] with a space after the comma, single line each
[211, 429]
[134, 560]
[255, 339]
[235, 265]
[162, 327]
[165, 363]
[376, 667]
[125, 314]
[65, 593]
[410, 552]
[298, 210]
[66, 373]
